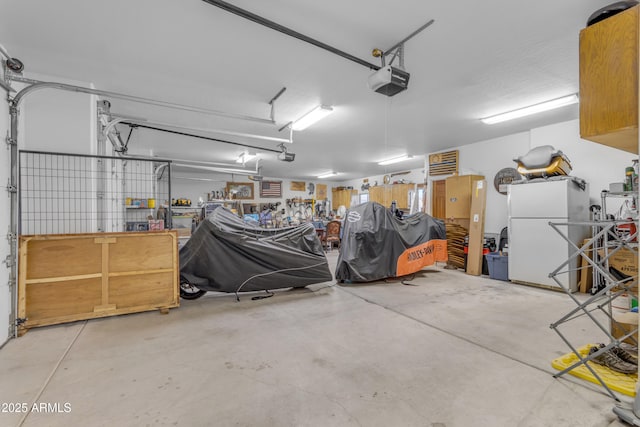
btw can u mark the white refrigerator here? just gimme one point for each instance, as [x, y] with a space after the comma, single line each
[535, 248]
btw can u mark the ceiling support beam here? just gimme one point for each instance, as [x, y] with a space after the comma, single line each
[288, 31]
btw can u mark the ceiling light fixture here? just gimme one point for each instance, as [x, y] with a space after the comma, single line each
[245, 157]
[327, 175]
[532, 109]
[318, 113]
[395, 160]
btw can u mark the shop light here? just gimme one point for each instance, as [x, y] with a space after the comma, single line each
[395, 160]
[327, 175]
[311, 117]
[532, 109]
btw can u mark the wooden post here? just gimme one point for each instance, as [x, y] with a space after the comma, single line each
[22, 286]
[476, 227]
[105, 241]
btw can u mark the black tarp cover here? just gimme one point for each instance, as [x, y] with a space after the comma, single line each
[377, 245]
[228, 255]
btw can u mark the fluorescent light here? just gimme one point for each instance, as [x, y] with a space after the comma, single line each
[245, 157]
[533, 109]
[311, 117]
[327, 175]
[395, 160]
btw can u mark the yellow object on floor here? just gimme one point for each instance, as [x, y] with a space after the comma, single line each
[623, 383]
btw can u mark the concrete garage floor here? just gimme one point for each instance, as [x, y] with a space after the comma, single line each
[453, 350]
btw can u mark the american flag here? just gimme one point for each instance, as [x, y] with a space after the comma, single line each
[271, 189]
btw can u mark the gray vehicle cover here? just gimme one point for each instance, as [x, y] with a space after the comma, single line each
[228, 255]
[377, 245]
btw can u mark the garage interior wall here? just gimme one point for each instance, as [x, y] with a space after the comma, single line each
[58, 121]
[193, 189]
[5, 212]
[61, 121]
[597, 164]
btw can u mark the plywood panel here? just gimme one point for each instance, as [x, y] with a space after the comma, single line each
[47, 300]
[458, 195]
[63, 257]
[140, 290]
[146, 251]
[130, 272]
[476, 227]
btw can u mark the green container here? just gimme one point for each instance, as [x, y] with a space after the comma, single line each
[628, 179]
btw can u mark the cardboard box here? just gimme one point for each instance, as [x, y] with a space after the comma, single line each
[624, 260]
[586, 271]
[617, 331]
[183, 232]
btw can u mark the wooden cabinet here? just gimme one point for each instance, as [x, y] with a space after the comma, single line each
[400, 193]
[379, 194]
[609, 81]
[342, 198]
[385, 194]
[458, 195]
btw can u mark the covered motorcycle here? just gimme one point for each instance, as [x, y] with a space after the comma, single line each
[226, 254]
[377, 245]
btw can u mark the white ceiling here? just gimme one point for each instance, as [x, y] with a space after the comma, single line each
[477, 59]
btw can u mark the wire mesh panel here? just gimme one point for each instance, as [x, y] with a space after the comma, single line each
[70, 193]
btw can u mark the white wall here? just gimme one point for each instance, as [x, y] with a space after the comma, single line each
[482, 158]
[50, 120]
[487, 158]
[196, 187]
[5, 213]
[415, 176]
[599, 165]
[59, 121]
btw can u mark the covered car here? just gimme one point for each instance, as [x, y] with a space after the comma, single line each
[227, 254]
[377, 245]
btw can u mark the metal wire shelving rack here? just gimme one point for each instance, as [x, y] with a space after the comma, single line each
[608, 239]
